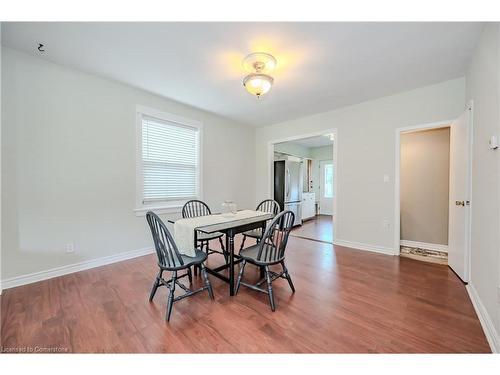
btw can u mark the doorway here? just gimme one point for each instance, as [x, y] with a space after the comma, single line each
[315, 153]
[326, 172]
[424, 194]
[432, 192]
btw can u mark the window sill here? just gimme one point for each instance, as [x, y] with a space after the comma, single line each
[159, 210]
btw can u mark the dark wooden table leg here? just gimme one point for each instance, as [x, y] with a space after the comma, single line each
[230, 247]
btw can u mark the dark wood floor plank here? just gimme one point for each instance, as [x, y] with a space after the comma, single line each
[319, 228]
[346, 301]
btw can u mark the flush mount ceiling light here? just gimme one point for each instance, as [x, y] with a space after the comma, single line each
[258, 64]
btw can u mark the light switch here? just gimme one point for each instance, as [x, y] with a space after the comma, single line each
[493, 142]
[386, 178]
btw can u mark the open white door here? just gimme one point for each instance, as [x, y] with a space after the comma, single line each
[459, 209]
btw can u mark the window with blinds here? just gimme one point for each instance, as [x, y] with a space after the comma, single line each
[170, 161]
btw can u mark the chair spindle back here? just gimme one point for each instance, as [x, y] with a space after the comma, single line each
[166, 249]
[273, 244]
[269, 205]
[195, 208]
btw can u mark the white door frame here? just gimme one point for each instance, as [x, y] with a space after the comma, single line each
[397, 196]
[270, 164]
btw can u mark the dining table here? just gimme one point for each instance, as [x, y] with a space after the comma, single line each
[231, 227]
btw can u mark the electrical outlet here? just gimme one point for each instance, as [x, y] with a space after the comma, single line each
[386, 224]
[70, 248]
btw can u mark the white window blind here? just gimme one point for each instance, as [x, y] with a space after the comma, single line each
[169, 160]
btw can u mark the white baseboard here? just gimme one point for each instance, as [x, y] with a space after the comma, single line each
[489, 329]
[424, 245]
[364, 246]
[71, 268]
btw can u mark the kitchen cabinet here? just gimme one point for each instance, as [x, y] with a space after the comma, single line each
[308, 205]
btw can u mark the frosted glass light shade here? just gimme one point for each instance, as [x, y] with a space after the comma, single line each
[258, 84]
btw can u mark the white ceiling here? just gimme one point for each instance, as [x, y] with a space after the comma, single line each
[318, 141]
[321, 66]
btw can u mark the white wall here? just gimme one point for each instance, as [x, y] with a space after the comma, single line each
[292, 149]
[424, 185]
[483, 86]
[321, 153]
[365, 145]
[68, 164]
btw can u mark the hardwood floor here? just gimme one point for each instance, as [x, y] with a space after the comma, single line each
[319, 228]
[346, 301]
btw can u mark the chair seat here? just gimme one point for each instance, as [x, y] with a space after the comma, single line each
[255, 233]
[250, 254]
[199, 257]
[209, 236]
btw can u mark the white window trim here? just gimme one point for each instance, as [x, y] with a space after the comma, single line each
[173, 207]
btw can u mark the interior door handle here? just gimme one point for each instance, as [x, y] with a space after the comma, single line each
[460, 203]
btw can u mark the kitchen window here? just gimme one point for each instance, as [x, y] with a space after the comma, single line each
[168, 161]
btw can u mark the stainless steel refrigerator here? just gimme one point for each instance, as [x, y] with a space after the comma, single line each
[288, 187]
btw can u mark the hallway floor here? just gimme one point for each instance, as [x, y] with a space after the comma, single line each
[320, 228]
